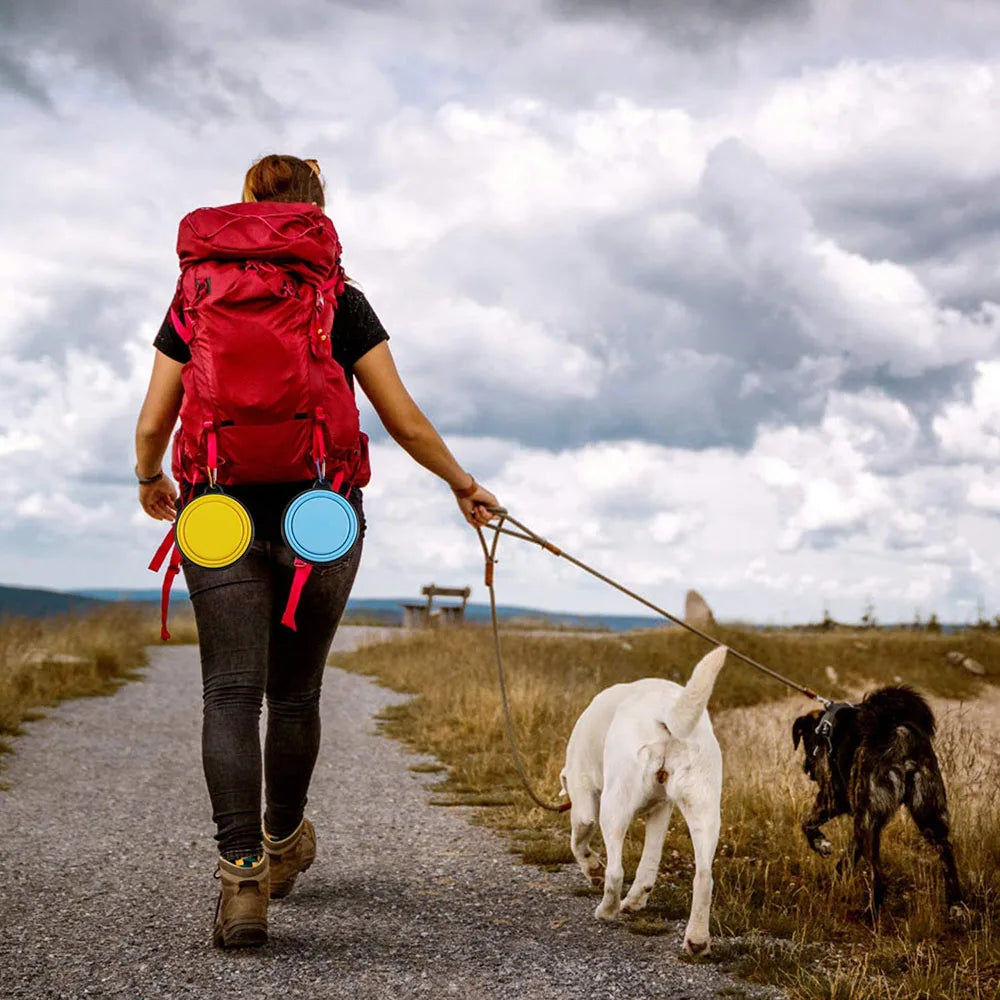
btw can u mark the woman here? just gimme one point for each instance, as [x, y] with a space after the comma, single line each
[246, 653]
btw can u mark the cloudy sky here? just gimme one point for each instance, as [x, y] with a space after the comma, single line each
[707, 293]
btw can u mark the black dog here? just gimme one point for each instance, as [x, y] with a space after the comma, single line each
[871, 759]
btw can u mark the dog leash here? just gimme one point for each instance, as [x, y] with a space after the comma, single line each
[526, 534]
[489, 554]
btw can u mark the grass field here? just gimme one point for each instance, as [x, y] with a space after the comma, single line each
[780, 913]
[46, 660]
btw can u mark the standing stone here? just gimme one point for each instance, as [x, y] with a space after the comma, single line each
[696, 611]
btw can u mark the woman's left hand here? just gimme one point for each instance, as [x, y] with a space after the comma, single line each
[159, 499]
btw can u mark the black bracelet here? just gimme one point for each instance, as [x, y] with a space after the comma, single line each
[148, 480]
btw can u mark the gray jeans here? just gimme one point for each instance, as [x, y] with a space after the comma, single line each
[246, 653]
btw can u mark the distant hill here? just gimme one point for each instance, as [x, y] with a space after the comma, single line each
[32, 603]
[140, 596]
[37, 603]
[387, 611]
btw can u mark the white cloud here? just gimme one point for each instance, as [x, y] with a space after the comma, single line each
[971, 431]
[907, 117]
[875, 313]
[482, 344]
[823, 482]
[984, 496]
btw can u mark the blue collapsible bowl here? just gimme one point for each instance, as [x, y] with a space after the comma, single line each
[319, 525]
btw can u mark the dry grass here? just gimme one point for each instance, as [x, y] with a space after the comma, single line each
[45, 661]
[788, 917]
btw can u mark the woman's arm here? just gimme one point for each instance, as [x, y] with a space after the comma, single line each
[403, 419]
[152, 435]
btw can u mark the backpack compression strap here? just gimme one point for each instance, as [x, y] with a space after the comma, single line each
[319, 445]
[302, 571]
[173, 568]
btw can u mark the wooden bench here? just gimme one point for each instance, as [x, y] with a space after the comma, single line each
[418, 615]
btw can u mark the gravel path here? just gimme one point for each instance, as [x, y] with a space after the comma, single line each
[106, 862]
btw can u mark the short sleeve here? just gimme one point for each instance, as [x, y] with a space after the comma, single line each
[356, 328]
[168, 341]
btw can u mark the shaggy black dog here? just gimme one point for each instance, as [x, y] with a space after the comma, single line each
[878, 756]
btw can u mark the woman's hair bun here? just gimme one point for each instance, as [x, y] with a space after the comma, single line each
[284, 178]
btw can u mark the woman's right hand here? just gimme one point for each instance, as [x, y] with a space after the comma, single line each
[474, 507]
[158, 499]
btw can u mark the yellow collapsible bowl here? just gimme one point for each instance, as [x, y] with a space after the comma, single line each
[214, 530]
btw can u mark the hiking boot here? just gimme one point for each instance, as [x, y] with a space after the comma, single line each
[241, 913]
[290, 856]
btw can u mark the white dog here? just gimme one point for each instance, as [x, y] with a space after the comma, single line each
[638, 749]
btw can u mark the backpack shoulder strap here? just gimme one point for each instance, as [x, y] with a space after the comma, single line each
[177, 316]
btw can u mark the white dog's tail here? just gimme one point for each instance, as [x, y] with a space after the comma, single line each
[684, 716]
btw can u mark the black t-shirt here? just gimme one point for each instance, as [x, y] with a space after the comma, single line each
[356, 330]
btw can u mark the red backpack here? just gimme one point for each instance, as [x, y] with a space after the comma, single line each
[264, 400]
[262, 391]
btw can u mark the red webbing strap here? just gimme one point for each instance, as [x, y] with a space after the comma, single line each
[161, 553]
[173, 568]
[319, 444]
[183, 330]
[168, 581]
[302, 571]
[337, 481]
[212, 444]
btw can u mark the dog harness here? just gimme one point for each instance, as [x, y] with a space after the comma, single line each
[824, 728]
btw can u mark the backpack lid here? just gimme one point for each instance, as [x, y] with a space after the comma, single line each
[261, 230]
[319, 525]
